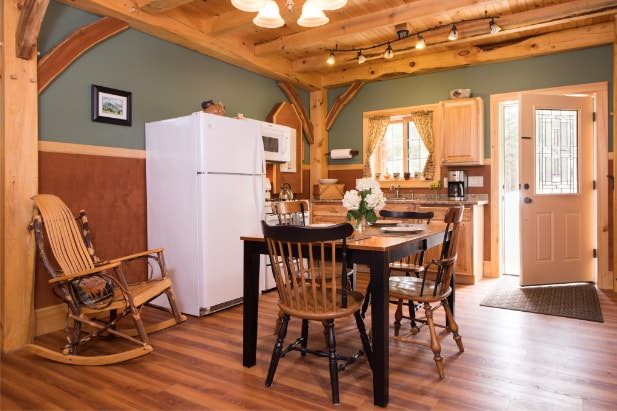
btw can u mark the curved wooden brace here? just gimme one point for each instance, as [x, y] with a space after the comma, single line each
[32, 13]
[88, 360]
[76, 44]
[294, 99]
[152, 328]
[341, 101]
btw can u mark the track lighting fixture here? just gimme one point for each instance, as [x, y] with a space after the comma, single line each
[331, 59]
[421, 43]
[453, 33]
[361, 58]
[494, 27]
[389, 53]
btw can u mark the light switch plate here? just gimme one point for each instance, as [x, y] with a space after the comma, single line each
[475, 181]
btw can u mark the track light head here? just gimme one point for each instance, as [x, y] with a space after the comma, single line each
[453, 33]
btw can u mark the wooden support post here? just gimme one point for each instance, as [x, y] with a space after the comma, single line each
[614, 149]
[294, 99]
[319, 148]
[18, 182]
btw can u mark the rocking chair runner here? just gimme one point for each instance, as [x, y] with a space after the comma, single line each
[91, 287]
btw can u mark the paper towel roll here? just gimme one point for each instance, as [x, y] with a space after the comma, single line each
[341, 153]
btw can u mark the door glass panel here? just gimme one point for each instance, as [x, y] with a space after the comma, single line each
[556, 151]
[510, 214]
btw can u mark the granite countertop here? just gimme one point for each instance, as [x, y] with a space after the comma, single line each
[439, 199]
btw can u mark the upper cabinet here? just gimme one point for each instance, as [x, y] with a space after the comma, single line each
[463, 131]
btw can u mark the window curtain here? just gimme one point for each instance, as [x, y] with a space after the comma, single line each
[424, 124]
[377, 127]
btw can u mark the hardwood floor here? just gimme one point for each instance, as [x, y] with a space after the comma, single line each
[512, 361]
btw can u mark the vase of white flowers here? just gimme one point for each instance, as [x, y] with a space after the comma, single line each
[363, 203]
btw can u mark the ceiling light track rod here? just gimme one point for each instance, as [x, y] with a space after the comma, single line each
[410, 34]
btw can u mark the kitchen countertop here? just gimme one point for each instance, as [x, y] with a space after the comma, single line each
[439, 199]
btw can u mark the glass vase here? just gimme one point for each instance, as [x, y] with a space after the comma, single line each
[360, 225]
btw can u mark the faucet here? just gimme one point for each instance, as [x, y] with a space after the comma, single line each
[396, 190]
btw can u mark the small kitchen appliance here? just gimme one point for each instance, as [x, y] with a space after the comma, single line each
[457, 184]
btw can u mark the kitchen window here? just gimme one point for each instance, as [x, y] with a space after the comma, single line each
[402, 145]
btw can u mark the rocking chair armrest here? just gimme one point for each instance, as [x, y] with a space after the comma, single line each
[84, 273]
[136, 255]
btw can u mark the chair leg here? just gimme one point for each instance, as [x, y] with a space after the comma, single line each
[305, 330]
[367, 300]
[333, 364]
[174, 305]
[412, 315]
[139, 325]
[398, 316]
[453, 326]
[276, 353]
[76, 338]
[277, 324]
[435, 344]
[366, 344]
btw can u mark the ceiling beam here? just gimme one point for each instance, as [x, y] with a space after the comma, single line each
[227, 21]
[535, 19]
[555, 42]
[30, 19]
[159, 6]
[176, 27]
[413, 13]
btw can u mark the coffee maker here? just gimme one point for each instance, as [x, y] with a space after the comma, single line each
[457, 184]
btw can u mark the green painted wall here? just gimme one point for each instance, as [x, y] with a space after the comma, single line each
[166, 81]
[576, 67]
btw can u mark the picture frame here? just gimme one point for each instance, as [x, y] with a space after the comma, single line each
[111, 106]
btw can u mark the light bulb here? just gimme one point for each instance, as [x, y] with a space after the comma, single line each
[361, 58]
[494, 27]
[312, 16]
[453, 33]
[331, 59]
[269, 16]
[330, 4]
[251, 6]
[389, 53]
[421, 43]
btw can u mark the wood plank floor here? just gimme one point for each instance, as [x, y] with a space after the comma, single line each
[513, 361]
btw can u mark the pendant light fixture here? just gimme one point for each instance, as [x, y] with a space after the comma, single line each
[421, 43]
[251, 6]
[494, 27]
[361, 58]
[269, 16]
[330, 4]
[389, 53]
[453, 33]
[312, 15]
[331, 59]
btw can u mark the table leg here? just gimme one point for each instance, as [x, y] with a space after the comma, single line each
[380, 328]
[251, 305]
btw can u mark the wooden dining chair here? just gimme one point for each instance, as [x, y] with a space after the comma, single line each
[412, 264]
[96, 292]
[307, 290]
[433, 294]
[290, 212]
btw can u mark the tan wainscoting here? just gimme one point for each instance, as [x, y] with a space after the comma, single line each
[50, 318]
[70, 148]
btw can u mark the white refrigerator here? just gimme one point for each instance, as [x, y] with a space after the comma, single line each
[205, 177]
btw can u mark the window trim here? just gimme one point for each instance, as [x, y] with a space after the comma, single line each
[402, 112]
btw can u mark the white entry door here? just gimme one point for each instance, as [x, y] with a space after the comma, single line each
[557, 193]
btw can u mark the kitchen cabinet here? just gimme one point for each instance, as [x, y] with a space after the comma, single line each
[463, 131]
[470, 253]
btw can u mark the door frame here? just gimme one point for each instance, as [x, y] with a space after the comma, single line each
[604, 278]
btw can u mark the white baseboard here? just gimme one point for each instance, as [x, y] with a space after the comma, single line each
[49, 319]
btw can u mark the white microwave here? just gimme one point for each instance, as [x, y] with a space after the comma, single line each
[277, 142]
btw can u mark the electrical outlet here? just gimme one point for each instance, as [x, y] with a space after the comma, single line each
[475, 181]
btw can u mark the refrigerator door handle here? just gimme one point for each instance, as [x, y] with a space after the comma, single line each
[259, 201]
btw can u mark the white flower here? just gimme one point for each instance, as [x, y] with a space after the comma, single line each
[375, 200]
[367, 183]
[351, 200]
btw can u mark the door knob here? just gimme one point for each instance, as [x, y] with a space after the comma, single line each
[528, 200]
[526, 186]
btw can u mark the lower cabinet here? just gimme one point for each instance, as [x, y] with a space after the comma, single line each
[470, 253]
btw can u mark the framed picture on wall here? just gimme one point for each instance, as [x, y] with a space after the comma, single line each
[111, 106]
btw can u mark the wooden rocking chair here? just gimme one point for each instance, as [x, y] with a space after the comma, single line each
[96, 292]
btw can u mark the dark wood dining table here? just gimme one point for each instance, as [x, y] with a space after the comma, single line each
[375, 249]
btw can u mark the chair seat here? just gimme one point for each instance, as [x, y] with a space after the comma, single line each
[141, 292]
[354, 302]
[400, 266]
[409, 288]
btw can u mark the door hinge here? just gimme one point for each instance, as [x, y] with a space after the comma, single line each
[594, 184]
[593, 116]
[595, 253]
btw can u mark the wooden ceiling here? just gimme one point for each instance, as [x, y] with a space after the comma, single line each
[297, 54]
